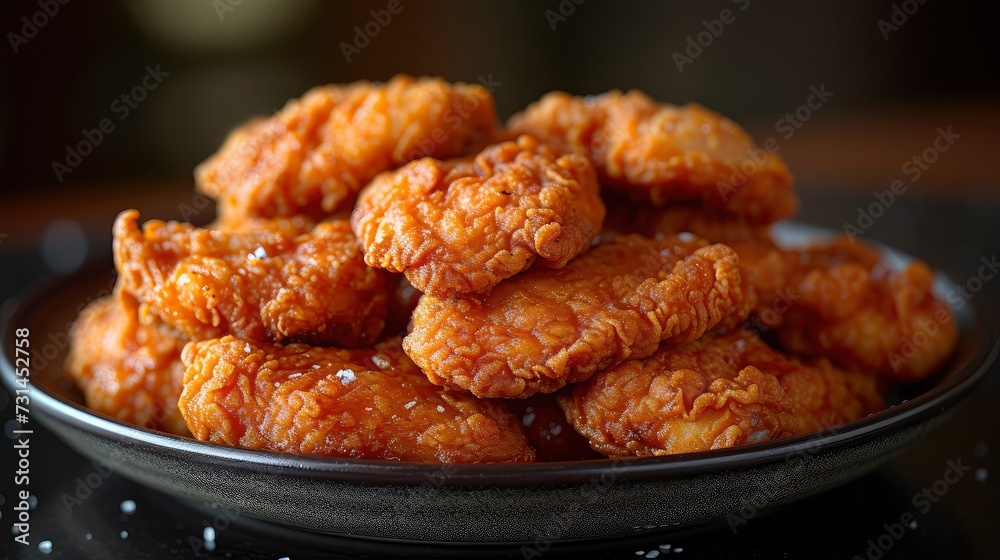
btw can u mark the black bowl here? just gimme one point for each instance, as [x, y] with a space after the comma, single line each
[533, 503]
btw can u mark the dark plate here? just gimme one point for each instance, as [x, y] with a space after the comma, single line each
[535, 503]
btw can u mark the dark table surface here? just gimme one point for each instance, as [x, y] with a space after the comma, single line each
[952, 233]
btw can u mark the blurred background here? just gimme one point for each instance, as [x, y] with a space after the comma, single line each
[170, 78]
[111, 105]
[894, 71]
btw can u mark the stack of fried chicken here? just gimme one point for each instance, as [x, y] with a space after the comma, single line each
[394, 275]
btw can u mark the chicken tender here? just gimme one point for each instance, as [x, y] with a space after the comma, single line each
[837, 300]
[463, 226]
[126, 369]
[366, 404]
[282, 282]
[315, 154]
[853, 308]
[663, 153]
[544, 328]
[716, 392]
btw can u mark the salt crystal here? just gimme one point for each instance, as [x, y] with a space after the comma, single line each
[346, 376]
[410, 405]
[260, 253]
[440, 408]
[380, 361]
[247, 348]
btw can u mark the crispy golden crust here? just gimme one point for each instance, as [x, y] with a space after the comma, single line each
[371, 404]
[854, 310]
[716, 392]
[837, 300]
[544, 328]
[315, 154]
[278, 282]
[463, 226]
[664, 153]
[126, 369]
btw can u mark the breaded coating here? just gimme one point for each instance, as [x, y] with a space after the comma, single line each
[853, 308]
[837, 299]
[463, 226]
[367, 404]
[547, 327]
[314, 155]
[716, 392]
[665, 153]
[274, 283]
[126, 369]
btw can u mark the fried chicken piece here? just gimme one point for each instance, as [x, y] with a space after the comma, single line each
[367, 404]
[316, 153]
[465, 225]
[664, 153]
[277, 282]
[126, 369]
[716, 392]
[848, 305]
[837, 300]
[544, 328]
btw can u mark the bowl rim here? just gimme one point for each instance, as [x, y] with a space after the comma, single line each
[930, 403]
